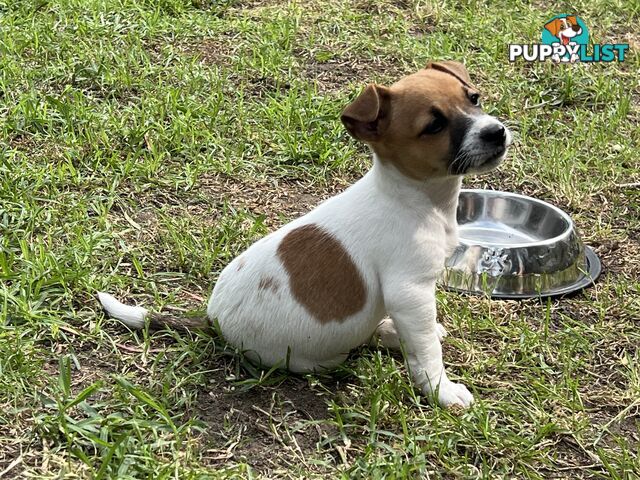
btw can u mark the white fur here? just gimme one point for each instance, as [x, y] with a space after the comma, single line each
[133, 317]
[474, 148]
[398, 232]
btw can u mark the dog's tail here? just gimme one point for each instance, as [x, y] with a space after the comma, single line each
[135, 317]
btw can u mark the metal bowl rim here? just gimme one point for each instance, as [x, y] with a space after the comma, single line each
[569, 230]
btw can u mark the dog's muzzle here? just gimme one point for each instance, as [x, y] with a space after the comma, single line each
[483, 148]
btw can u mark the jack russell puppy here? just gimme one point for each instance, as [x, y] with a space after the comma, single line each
[305, 295]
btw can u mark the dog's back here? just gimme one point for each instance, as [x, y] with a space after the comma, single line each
[305, 295]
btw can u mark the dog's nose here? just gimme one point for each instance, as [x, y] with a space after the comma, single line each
[575, 28]
[495, 133]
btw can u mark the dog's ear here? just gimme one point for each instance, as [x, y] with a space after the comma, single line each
[367, 116]
[554, 26]
[456, 69]
[571, 20]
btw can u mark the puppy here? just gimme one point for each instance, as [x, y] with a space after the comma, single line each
[305, 295]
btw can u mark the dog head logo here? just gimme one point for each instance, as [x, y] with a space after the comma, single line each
[566, 30]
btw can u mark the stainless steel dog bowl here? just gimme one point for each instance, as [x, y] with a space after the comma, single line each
[513, 246]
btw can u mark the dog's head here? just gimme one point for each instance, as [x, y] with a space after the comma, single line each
[566, 27]
[429, 124]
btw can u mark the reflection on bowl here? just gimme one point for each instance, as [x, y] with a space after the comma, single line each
[513, 246]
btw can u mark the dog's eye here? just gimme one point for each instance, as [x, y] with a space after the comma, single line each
[435, 126]
[475, 99]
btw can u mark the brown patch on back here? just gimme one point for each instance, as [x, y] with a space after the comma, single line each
[268, 283]
[322, 275]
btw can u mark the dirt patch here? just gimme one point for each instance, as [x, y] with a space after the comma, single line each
[33, 145]
[273, 428]
[254, 4]
[278, 201]
[22, 142]
[343, 70]
[211, 51]
[619, 257]
[608, 426]
[270, 428]
[254, 207]
[259, 87]
[422, 15]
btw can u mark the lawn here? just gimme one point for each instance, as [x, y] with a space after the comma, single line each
[144, 144]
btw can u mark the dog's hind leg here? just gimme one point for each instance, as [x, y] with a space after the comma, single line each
[387, 335]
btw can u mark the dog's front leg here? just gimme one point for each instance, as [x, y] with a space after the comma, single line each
[413, 310]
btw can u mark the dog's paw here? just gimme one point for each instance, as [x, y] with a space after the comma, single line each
[453, 394]
[441, 331]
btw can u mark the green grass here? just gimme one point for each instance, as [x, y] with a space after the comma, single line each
[144, 144]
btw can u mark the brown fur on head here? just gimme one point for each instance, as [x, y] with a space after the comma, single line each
[557, 25]
[419, 122]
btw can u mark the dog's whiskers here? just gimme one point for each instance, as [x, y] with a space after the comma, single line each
[461, 162]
